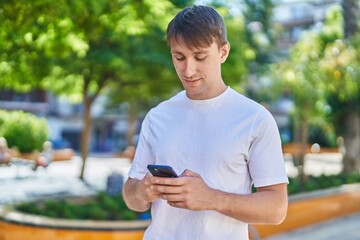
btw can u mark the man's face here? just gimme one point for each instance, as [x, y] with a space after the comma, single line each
[199, 69]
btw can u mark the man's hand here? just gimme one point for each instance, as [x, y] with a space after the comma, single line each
[145, 191]
[188, 191]
[139, 194]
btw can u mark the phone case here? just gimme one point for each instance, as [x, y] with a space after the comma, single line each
[162, 171]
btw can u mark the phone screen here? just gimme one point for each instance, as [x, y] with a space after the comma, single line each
[162, 171]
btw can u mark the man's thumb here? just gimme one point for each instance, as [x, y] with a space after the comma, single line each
[189, 173]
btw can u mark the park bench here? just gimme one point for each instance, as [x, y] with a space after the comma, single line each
[295, 149]
[30, 159]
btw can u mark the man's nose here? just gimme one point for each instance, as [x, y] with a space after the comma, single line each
[190, 68]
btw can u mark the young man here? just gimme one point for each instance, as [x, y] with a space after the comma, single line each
[220, 141]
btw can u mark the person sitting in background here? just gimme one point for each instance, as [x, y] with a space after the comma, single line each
[129, 152]
[46, 156]
[5, 152]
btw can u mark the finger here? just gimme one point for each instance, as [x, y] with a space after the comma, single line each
[172, 197]
[167, 181]
[177, 204]
[189, 173]
[152, 193]
[167, 189]
[147, 179]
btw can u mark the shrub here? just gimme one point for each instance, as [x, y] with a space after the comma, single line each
[322, 182]
[25, 131]
[100, 207]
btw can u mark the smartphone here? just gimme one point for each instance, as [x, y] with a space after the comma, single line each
[162, 171]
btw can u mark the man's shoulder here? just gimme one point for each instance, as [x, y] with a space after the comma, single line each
[243, 100]
[174, 100]
[245, 106]
[171, 103]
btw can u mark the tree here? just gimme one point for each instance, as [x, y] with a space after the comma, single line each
[234, 69]
[77, 48]
[348, 104]
[351, 17]
[336, 74]
[340, 66]
[156, 69]
[301, 76]
[260, 33]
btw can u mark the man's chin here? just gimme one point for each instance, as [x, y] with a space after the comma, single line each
[194, 94]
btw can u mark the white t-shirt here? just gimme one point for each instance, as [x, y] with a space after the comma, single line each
[230, 140]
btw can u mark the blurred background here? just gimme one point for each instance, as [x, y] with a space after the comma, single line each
[81, 75]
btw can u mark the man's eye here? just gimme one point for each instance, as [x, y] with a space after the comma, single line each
[200, 58]
[179, 58]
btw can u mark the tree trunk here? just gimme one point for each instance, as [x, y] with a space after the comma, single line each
[304, 143]
[85, 134]
[351, 159]
[132, 121]
[350, 13]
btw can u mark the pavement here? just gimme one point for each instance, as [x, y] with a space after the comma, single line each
[20, 183]
[347, 228]
[61, 178]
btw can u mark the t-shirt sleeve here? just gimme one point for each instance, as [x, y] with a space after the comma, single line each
[143, 155]
[266, 160]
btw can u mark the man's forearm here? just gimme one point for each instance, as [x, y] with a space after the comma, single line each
[263, 207]
[132, 199]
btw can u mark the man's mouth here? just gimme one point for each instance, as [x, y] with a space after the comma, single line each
[191, 80]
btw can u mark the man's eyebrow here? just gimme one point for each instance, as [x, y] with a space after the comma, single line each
[175, 52]
[201, 51]
[196, 52]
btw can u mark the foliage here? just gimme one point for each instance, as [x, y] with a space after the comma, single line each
[302, 77]
[100, 207]
[24, 131]
[106, 207]
[322, 182]
[79, 48]
[69, 47]
[322, 76]
[157, 68]
[235, 69]
[340, 69]
[260, 32]
[323, 134]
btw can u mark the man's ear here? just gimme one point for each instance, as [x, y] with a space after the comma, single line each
[224, 51]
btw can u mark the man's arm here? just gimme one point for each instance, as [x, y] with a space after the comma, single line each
[267, 206]
[138, 194]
